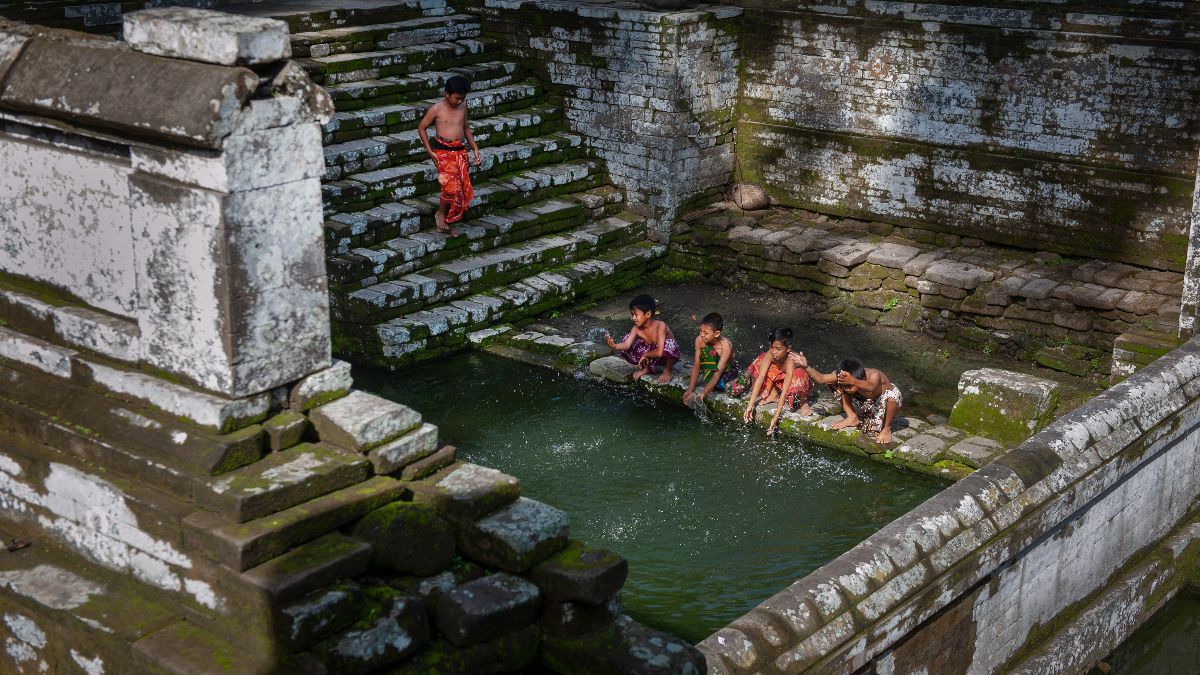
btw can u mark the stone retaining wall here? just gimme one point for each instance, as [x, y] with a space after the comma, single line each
[980, 576]
[653, 92]
[188, 483]
[1067, 127]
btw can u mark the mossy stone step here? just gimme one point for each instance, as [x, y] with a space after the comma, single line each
[374, 37]
[308, 15]
[445, 328]
[465, 492]
[420, 85]
[184, 648]
[310, 566]
[386, 150]
[400, 117]
[476, 273]
[240, 546]
[282, 480]
[341, 68]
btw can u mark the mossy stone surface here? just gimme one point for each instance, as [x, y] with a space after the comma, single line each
[1005, 406]
[407, 538]
[581, 573]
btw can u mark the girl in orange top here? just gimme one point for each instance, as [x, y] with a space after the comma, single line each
[777, 375]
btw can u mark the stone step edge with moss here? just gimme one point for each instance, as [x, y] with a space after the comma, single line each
[576, 356]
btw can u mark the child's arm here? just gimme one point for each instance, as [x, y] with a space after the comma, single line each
[870, 387]
[622, 346]
[469, 137]
[722, 364]
[429, 118]
[816, 375]
[687, 393]
[789, 371]
[758, 383]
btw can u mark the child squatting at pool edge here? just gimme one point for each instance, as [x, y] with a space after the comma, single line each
[774, 376]
[713, 364]
[650, 344]
[868, 397]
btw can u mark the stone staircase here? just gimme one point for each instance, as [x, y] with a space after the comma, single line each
[544, 229]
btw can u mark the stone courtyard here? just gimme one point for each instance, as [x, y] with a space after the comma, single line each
[208, 217]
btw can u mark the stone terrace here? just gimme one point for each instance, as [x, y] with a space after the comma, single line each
[978, 295]
[544, 229]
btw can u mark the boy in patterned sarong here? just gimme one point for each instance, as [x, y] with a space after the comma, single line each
[775, 376]
[714, 366]
[448, 150]
[869, 399]
[650, 344]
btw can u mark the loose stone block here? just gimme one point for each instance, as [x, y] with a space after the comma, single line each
[361, 421]
[487, 608]
[414, 445]
[580, 573]
[400, 630]
[421, 468]
[957, 274]
[917, 266]
[518, 536]
[613, 369]
[308, 567]
[849, 254]
[576, 618]
[407, 538]
[285, 430]
[33, 352]
[974, 451]
[893, 256]
[1002, 405]
[467, 492]
[320, 613]
[923, 449]
[208, 36]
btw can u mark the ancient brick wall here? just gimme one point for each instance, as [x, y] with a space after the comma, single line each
[1065, 127]
[1042, 561]
[653, 92]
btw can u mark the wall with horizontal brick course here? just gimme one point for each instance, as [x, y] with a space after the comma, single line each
[653, 92]
[969, 581]
[1070, 128]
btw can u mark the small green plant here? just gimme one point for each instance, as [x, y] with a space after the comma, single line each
[1054, 262]
[891, 304]
[988, 348]
[555, 314]
[943, 353]
[888, 454]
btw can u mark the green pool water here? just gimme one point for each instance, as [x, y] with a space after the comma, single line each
[1168, 644]
[713, 519]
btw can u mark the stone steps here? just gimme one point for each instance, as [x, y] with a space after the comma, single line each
[363, 266]
[342, 68]
[478, 273]
[517, 166]
[375, 37]
[314, 15]
[445, 328]
[399, 117]
[420, 85]
[387, 150]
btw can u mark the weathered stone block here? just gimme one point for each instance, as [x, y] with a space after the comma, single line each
[750, 197]
[407, 538]
[957, 274]
[849, 254]
[467, 492]
[400, 629]
[487, 608]
[518, 536]
[316, 615]
[1002, 405]
[922, 449]
[208, 36]
[893, 256]
[361, 421]
[576, 618]
[614, 369]
[285, 430]
[440, 459]
[579, 573]
[974, 451]
[625, 647]
[415, 445]
[321, 387]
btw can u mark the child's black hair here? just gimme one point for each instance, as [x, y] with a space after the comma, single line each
[644, 303]
[713, 321]
[458, 85]
[854, 367]
[783, 335]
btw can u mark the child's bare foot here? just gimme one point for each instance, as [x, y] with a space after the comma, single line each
[847, 422]
[805, 410]
[666, 375]
[640, 373]
[884, 437]
[439, 220]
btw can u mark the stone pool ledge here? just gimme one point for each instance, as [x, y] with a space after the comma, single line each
[931, 447]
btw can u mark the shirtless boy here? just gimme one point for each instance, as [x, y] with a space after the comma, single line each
[448, 150]
[868, 397]
[650, 343]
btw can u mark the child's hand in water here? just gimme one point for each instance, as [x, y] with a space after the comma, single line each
[608, 339]
[774, 425]
[687, 397]
[748, 415]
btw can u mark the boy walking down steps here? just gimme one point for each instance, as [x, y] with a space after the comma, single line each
[448, 149]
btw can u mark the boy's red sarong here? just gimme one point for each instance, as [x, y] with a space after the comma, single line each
[454, 177]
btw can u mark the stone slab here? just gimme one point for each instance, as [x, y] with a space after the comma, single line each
[614, 369]
[361, 421]
[487, 608]
[407, 538]
[1002, 405]
[580, 573]
[204, 35]
[412, 446]
[893, 256]
[422, 468]
[518, 536]
[466, 492]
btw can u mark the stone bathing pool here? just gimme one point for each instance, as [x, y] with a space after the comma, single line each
[712, 518]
